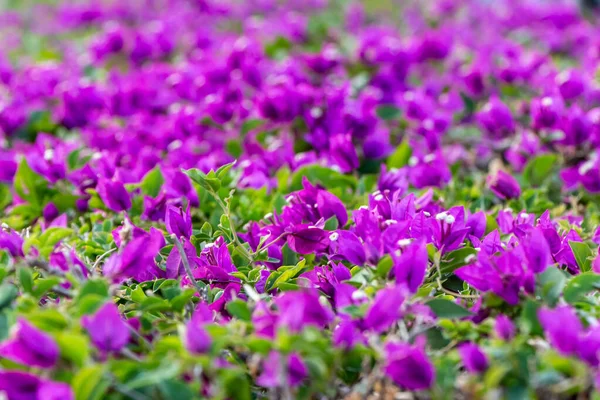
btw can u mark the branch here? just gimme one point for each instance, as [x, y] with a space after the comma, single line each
[186, 265]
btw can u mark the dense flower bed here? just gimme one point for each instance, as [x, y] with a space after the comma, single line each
[299, 199]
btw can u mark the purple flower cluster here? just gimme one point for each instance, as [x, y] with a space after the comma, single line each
[298, 193]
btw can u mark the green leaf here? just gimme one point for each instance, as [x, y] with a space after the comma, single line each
[89, 383]
[205, 181]
[583, 255]
[388, 112]
[234, 148]
[8, 292]
[550, 285]
[166, 371]
[289, 273]
[25, 279]
[43, 285]
[73, 347]
[152, 182]
[384, 266]
[251, 124]
[174, 389]
[468, 102]
[580, 285]
[239, 309]
[443, 308]
[29, 185]
[6, 197]
[456, 259]
[236, 385]
[400, 156]
[327, 177]
[46, 242]
[224, 169]
[538, 169]
[93, 286]
[278, 48]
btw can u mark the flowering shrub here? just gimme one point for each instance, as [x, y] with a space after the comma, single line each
[299, 199]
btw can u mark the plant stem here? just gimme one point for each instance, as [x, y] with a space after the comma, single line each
[186, 265]
[438, 279]
[234, 235]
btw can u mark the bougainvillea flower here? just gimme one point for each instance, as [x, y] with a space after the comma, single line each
[411, 265]
[504, 327]
[50, 390]
[473, 358]
[136, 259]
[197, 340]
[385, 309]
[299, 309]
[307, 239]
[179, 223]
[20, 385]
[408, 366]
[114, 195]
[294, 373]
[562, 327]
[107, 329]
[496, 119]
[30, 346]
[12, 242]
[345, 245]
[504, 186]
[503, 275]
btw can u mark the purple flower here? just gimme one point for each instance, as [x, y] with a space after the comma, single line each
[17, 385]
[570, 84]
[294, 373]
[343, 153]
[497, 119]
[136, 259]
[178, 223]
[537, 251]
[589, 346]
[345, 245]
[546, 112]
[448, 230]
[408, 367]
[505, 329]
[30, 346]
[12, 242]
[197, 340]
[473, 358]
[411, 265]
[504, 186]
[114, 195]
[307, 239]
[264, 320]
[49, 390]
[385, 309]
[109, 332]
[562, 328]
[347, 334]
[503, 275]
[298, 309]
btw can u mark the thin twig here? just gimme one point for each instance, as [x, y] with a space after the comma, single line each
[102, 256]
[140, 337]
[128, 393]
[62, 291]
[43, 265]
[186, 265]
[234, 235]
[131, 355]
[438, 279]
